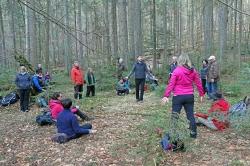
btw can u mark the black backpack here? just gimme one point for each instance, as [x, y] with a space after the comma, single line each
[10, 98]
[44, 119]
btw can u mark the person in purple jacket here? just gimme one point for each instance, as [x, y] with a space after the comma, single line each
[67, 123]
[181, 84]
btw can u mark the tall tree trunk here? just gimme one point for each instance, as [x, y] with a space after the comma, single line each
[154, 35]
[240, 32]
[33, 39]
[138, 39]
[2, 37]
[47, 35]
[235, 24]
[80, 35]
[75, 25]
[123, 29]
[12, 9]
[208, 23]
[114, 29]
[192, 23]
[67, 54]
[222, 15]
[107, 33]
[131, 28]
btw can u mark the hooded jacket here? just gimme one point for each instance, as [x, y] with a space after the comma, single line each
[56, 107]
[181, 82]
[77, 76]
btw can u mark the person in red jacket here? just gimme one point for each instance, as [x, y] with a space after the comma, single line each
[77, 76]
[56, 107]
[181, 83]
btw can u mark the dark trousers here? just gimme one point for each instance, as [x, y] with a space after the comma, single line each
[204, 84]
[139, 88]
[78, 91]
[90, 89]
[24, 99]
[82, 115]
[85, 130]
[188, 102]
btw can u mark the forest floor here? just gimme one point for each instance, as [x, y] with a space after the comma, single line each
[117, 141]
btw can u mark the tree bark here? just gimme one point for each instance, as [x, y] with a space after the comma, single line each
[114, 29]
[2, 37]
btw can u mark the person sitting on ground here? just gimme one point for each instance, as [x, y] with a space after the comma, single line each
[90, 80]
[37, 82]
[68, 124]
[56, 107]
[122, 87]
[23, 83]
[217, 117]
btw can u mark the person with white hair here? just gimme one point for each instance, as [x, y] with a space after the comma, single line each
[23, 83]
[212, 76]
[120, 68]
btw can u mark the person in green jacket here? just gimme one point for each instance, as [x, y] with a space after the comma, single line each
[90, 81]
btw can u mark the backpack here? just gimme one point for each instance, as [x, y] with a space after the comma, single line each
[238, 109]
[41, 102]
[10, 98]
[44, 119]
[172, 145]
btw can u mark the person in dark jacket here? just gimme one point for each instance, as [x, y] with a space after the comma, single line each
[67, 123]
[23, 83]
[140, 70]
[203, 74]
[173, 65]
[90, 80]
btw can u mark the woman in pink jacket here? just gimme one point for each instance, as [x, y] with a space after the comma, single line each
[56, 107]
[181, 84]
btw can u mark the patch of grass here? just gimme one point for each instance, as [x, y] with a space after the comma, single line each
[236, 163]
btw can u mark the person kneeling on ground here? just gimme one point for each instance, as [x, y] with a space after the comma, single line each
[56, 107]
[122, 87]
[68, 125]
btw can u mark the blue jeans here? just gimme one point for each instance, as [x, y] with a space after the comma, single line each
[188, 102]
[211, 88]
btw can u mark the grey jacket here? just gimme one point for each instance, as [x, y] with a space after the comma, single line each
[140, 69]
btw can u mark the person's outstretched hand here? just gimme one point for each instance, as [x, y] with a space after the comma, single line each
[164, 100]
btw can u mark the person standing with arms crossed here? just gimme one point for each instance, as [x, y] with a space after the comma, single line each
[77, 76]
[140, 69]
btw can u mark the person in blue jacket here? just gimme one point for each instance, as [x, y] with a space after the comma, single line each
[36, 81]
[23, 83]
[67, 123]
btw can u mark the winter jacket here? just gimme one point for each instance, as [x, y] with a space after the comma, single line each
[140, 69]
[67, 123]
[90, 79]
[203, 72]
[181, 82]
[23, 81]
[77, 76]
[213, 72]
[36, 83]
[172, 67]
[56, 107]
